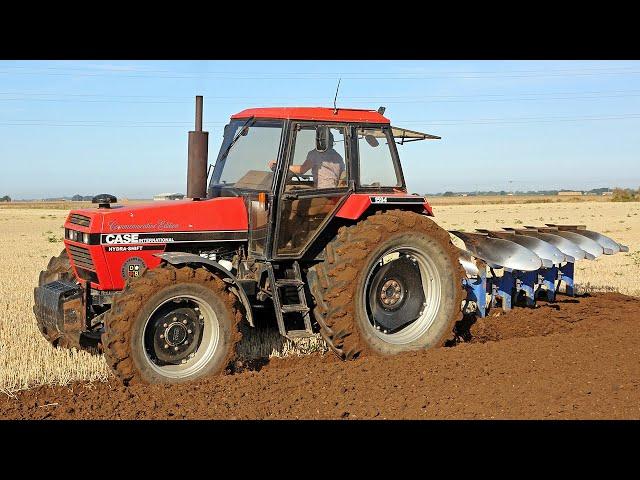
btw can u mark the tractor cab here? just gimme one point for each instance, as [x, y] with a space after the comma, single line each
[296, 167]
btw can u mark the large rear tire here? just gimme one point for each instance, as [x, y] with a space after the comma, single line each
[390, 283]
[58, 268]
[171, 325]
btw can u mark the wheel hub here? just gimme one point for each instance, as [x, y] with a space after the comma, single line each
[396, 293]
[176, 335]
[391, 293]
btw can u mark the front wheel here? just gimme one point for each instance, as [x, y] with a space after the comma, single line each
[390, 283]
[171, 325]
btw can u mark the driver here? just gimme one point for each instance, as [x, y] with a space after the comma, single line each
[326, 166]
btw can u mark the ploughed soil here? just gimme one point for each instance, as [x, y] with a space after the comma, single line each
[578, 358]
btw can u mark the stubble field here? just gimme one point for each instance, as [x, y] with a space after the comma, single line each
[29, 237]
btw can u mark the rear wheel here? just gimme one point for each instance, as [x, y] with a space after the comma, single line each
[58, 268]
[171, 325]
[390, 283]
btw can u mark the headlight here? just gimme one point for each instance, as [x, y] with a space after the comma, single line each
[76, 236]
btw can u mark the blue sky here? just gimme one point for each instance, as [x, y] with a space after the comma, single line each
[121, 127]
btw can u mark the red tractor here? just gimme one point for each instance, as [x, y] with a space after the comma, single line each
[306, 213]
[161, 288]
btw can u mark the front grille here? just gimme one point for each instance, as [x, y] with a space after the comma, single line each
[80, 220]
[81, 257]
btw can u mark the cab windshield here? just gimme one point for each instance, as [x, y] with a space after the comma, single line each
[248, 150]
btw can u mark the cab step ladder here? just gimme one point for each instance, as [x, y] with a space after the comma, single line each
[281, 309]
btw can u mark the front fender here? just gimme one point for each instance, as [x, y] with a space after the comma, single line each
[182, 258]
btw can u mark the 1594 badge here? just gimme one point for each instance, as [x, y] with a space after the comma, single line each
[133, 268]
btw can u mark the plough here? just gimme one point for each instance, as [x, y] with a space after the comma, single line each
[535, 262]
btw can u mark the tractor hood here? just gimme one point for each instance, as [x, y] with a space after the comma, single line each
[216, 214]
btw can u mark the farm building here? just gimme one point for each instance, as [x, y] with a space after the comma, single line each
[168, 196]
[569, 194]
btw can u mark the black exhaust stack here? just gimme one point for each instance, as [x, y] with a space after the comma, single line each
[198, 158]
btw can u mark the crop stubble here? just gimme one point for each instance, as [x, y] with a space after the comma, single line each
[29, 237]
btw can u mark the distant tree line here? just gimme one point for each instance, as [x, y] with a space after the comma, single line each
[494, 193]
[6, 198]
[75, 198]
[625, 195]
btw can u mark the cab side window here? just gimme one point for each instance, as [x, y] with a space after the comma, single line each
[317, 169]
[376, 161]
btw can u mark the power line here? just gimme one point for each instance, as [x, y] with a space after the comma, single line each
[108, 68]
[134, 68]
[324, 76]
[316, 96]
[217, 125]
[352, 100]
[100, 125]
[523, 120]
[89, 101]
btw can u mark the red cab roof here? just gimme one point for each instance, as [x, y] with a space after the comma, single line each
[314, 113]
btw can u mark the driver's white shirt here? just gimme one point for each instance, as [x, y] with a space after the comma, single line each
[326, 167]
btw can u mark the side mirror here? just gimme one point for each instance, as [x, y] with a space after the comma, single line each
[322, 138]
[371, 140]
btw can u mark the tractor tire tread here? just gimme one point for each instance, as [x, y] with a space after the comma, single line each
[127, 303]
[332, 282]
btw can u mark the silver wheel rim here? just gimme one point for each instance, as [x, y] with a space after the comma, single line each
[432, 290]
[208, 342]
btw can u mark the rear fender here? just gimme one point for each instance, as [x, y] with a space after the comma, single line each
[182, 258]
[358, 203]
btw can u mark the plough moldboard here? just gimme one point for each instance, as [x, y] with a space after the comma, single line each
[535, 262]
